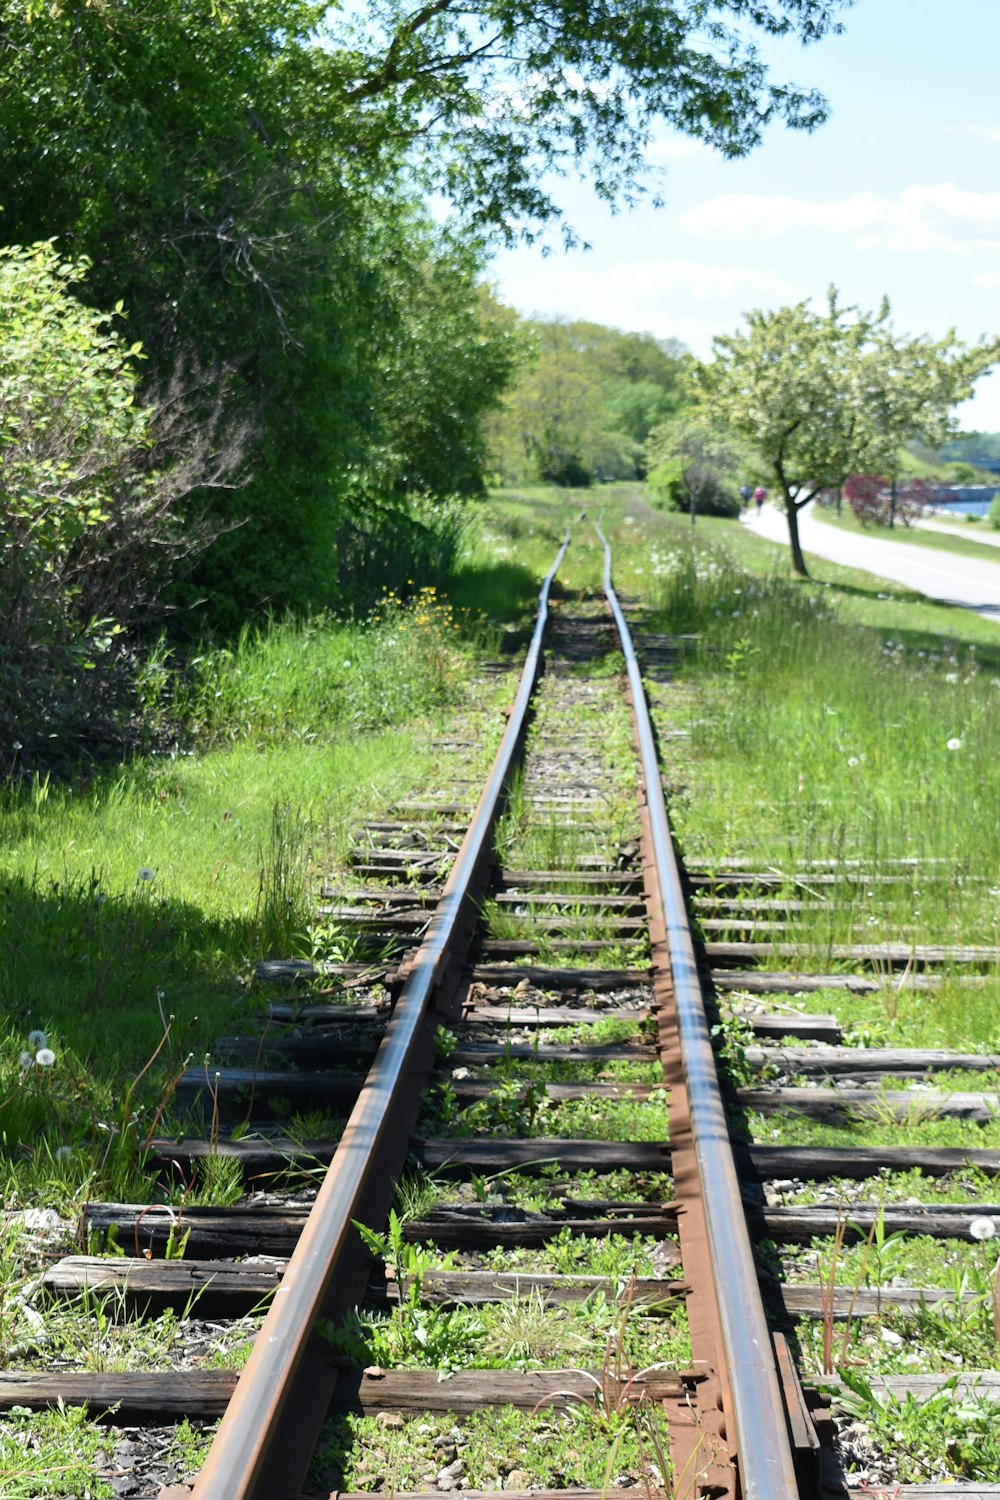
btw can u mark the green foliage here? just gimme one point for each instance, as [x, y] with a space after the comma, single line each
[246, 180]
[497, 91]
[272, 251]
[584, 405]
[993, 514]
[946, 1436]
[52, 1453]
[819, 396]
[695, 467]
[798, 749]
[313, 677]
[87, 525]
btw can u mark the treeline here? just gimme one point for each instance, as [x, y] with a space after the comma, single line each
[584, 403]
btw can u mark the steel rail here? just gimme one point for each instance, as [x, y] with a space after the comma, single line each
[763, 1447]
[236, 1461]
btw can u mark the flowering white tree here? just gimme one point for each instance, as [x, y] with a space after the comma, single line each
[820, 396]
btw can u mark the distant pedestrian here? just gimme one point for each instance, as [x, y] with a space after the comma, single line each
[760, 495]
[745, 493]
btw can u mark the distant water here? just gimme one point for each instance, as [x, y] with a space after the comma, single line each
[974, 501]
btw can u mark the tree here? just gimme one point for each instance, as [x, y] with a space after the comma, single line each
[875, 500]
[195, 153]
[820, 396]
[495, 94]
[90, 490]
[585, 402]
[707, 459]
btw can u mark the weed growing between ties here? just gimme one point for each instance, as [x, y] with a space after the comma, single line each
[495, 1448]
[52, 1454]
[960, 1014]
[516, 1109]
[949, 1437]
[546, 1187]
[617, 1255]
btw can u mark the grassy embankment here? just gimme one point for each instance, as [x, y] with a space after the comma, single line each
[840, 719]
[962, 543]
[134, 905]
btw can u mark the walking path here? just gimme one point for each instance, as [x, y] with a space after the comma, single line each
[981, 533]
[968, 582]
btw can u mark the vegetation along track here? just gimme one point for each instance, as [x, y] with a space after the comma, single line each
[554, 1286]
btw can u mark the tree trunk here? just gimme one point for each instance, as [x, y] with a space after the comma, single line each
[798, 561]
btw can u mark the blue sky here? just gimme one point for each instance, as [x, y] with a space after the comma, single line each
[898, 194]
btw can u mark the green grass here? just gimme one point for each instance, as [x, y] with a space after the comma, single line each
[133, 906]
[48, 1454]
[547, 1449]
[797, 1130]
[960, 544]
[861, 598]
[810, 738]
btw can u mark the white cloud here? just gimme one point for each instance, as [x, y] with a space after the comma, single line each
[682, 299]
[988, 133]
[990, 279]
[664, 149]
[941, 217]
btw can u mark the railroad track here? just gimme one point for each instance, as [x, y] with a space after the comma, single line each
[524, 1032]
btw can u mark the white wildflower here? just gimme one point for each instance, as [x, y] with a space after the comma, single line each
[852, 760]
[954, 743]
[982, 1229]
[45, 1057]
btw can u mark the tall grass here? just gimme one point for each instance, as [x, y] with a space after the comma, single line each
[322, 676]
[813, 738]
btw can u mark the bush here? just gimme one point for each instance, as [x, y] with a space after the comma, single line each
[870, 499]
[667, 490]
[993, 514]
[89, 530]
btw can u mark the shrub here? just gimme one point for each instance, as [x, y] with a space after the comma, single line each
[90, 531]
[870, 499]
[666, 487]
[993, 514]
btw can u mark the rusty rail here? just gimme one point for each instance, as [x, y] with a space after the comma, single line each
[236, 1467]
[762, 1444]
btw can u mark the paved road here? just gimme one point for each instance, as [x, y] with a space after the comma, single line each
[965, 581]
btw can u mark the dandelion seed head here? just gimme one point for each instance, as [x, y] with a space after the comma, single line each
[64, 1153]
[982, 1229]
[37, 1039]
[45, 1057]
[954, 743]
[852, 760]
[146, 874]
[26, 1059]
